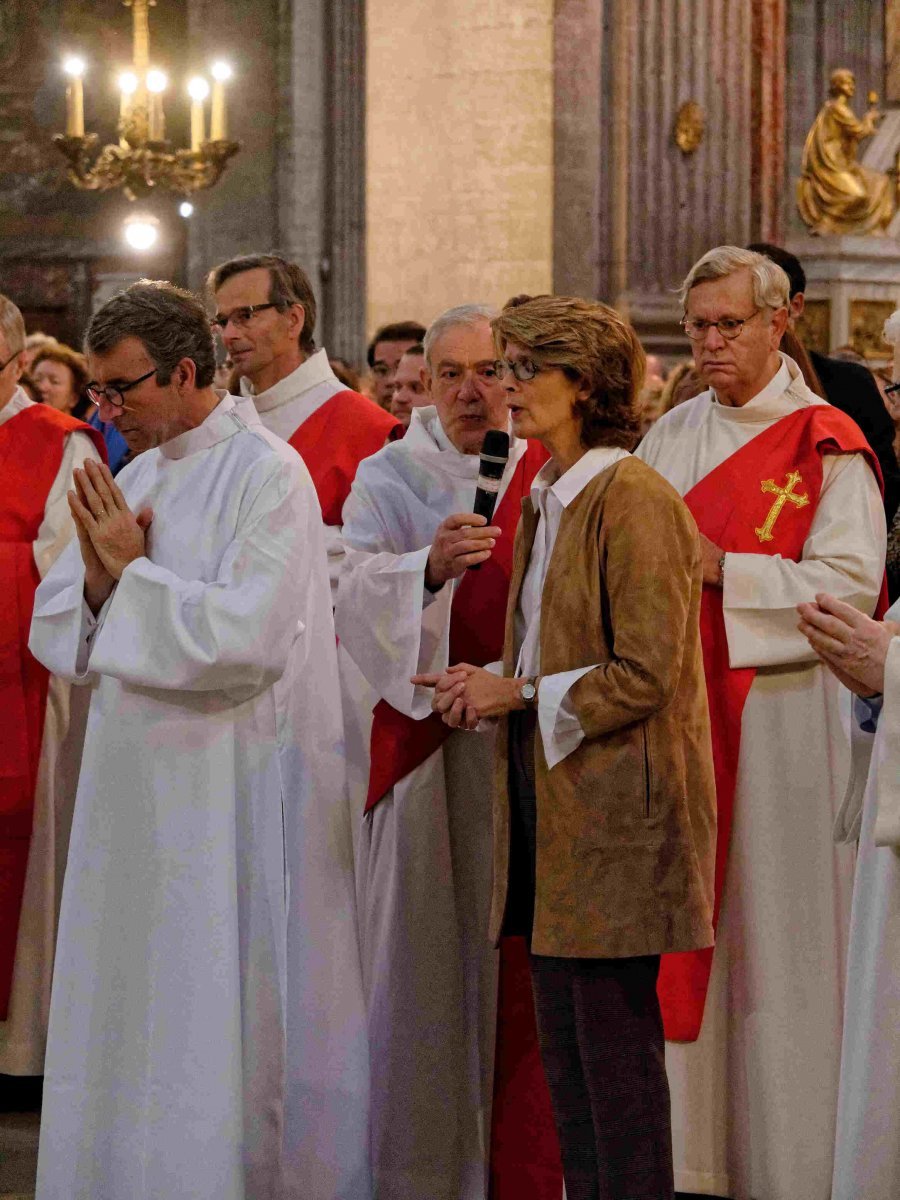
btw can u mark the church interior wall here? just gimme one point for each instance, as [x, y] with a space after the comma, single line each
[459, 158]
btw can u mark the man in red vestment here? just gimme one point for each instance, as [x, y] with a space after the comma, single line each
[785, 492]
[266, 311]
[42, 721]
[459, 1103]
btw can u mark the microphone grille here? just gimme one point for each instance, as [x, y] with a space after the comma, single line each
[496, 444]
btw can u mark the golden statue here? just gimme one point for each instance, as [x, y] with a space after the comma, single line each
[835, 194]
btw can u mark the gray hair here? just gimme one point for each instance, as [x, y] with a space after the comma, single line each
[463, 314]
[171, 323]
[771, 286]
[11, 326]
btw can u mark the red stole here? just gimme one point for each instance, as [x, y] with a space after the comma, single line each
[335, 439]
[525, 1158]
[760, 500]
[31, 450]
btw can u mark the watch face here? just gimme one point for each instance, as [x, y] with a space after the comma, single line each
[529, 691]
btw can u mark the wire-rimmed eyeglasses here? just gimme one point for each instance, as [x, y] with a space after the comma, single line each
[728, 327]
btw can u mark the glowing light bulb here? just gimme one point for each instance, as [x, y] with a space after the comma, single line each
[221, 72]
[156, 81]
[141, 232]
[198, 88]
[128, 83]
[74, 66]
[186, 209]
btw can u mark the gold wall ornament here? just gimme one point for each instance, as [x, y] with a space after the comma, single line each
[689, 126]
[814, 325]
[867, 318]
[143, 160]
[834, 193]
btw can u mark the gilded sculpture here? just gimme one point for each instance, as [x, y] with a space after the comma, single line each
[835, 194]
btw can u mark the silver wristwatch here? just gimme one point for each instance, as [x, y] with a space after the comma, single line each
[528, 691]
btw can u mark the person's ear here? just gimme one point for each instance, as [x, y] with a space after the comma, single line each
[797, 305]
[779, 324]
[296, 315]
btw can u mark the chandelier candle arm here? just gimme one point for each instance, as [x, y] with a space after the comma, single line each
[156, 85]
[141, 161]
[128, 83]
[221, 73]
[74, 68]
[198, 90]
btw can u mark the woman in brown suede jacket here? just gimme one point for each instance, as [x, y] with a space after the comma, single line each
[604, 815]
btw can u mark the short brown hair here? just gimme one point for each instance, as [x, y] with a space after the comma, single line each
[58, 353]
[399, 331]
[288, 284]
[168, 321]
[590, 342]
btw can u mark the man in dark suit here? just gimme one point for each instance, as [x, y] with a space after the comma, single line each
[848, 386]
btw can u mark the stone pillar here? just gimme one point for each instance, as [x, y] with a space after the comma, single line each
[580, 150]
[344, 262]
[459, 115]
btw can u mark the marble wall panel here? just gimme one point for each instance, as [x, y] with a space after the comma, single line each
[680, 205]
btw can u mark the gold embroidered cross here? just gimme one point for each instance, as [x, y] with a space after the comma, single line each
[782, 494]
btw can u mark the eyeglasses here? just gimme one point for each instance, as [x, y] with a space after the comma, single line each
[241, 317]
[523, 369]
[729, 327]
[3, 366]
[97, 394]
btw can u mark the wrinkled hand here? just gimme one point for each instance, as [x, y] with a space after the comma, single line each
[460, 541]
[712, 556]
[465, 695]
[102, 516]
[852, 645]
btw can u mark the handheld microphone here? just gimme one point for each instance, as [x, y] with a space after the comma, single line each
[494, 457]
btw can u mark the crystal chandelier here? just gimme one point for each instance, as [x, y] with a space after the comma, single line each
[143, 160]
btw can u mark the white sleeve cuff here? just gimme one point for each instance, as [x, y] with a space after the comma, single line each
[561, 730]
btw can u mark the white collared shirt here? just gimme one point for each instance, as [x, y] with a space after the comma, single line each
[551, 494]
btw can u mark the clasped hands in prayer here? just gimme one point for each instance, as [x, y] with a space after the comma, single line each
[109, 534]
[850, 644]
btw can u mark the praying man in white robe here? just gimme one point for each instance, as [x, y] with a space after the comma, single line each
[424, 847]
[865, 655]
[206, 1028]
[754, 1097]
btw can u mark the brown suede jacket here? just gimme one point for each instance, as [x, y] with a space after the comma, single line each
[626, 824]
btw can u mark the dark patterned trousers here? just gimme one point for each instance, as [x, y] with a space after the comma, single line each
[600, 1033]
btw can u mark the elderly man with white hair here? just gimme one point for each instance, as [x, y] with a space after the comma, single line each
[408, 605]
[785, 492]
